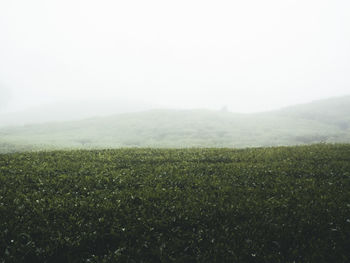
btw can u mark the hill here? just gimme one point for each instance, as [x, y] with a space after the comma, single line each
[320, 121]
[334, 111]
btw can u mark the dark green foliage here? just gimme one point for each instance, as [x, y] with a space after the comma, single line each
[285, 204]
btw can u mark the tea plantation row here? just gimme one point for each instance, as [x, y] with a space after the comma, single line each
[283, 204]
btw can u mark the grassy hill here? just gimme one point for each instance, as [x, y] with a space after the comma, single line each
[321, 121]
[334, 111]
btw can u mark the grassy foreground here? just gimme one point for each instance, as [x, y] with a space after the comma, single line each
[283, 204]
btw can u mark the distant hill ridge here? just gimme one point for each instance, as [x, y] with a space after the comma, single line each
[320, 121]
[71, 110]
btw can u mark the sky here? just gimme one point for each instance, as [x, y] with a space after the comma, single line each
[247, 55]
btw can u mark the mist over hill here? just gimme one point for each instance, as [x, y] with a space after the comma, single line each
[319, 121]
[71, 110]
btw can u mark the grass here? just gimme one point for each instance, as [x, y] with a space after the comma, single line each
[279, 204]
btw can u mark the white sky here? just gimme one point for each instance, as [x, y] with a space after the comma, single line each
[250, 55]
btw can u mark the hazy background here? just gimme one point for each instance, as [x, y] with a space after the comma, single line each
[249, 55]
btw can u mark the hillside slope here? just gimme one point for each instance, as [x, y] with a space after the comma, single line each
[321, 121]
[334, 111]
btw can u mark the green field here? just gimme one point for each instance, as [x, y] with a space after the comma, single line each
[282, 204]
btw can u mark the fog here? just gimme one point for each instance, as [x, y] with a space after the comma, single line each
[247, 55]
